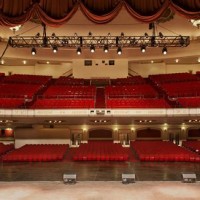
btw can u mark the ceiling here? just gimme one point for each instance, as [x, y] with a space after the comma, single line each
[122, 23]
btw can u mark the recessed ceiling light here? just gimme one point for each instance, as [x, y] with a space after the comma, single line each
[24, 62]
[2, 62]
[48, 62]
[177, 60]
[152, 61]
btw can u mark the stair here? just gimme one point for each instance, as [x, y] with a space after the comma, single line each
[100, 98]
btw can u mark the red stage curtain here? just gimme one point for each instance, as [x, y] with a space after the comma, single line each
[55, 13]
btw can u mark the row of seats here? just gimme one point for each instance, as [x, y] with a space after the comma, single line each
[63, 103]
[4, 148]
[41, 153]
[19, 90]
[101, 150]
[11, 102]
[182, 89]
[175, 77]
[62, 80]
[192, 145]
[162, 151]
[70, 92]
[27, 79]
[133, 80]
[189, 102]
[137, 103]
[131, 91]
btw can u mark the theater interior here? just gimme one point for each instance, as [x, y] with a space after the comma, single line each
[100, 90]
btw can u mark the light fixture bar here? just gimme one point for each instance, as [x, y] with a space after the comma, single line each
[98, 41]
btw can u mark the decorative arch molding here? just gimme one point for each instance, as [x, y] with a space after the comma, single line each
[17, 12]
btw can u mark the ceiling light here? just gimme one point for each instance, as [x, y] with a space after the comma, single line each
[195, 22]
[152, 61]
[2, 62]
[143, 48]
[55, 49]
[48, 62]
[15, 28]
[198, 59]
[119, 50]
[33, 51]
[177, 60]
[78, 51]
[105, 48]
[92, 48]
[164, 50]
[24, 62]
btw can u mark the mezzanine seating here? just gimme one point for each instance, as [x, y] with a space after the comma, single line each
[62, 80]
[4, 148]
[162, 151]
[11, 102]
[27, 79]
[131, 91]
[189, 102]
[101, 151]
[56, 91]
[63, 103]
[133, 80]
[173, 78]
[41, 153]
[137, 103]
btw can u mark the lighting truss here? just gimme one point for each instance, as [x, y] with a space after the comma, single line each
[98, 41]
[107, 41]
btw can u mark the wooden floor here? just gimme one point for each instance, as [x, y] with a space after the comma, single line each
[96, 171]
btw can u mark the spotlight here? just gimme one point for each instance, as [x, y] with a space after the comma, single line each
[119, 50]
[182, 41]
[164, 50]
[105, 48]
[146, 35]
[78, 51]
[33, 51]
[92, 48]
[160, 35]
[143, 48]
[37, 35]
[55, 49]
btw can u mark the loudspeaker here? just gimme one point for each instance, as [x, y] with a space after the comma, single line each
[69, 178]
[189, 177]
[128, 178]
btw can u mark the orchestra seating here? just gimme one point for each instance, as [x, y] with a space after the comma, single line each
[38, 152]
[189, 102]
[27, 79]
[11, 102]
[162, 151]
[63, 103]
[192, 145]
[101, 151]
[4, 148]
[137, 103]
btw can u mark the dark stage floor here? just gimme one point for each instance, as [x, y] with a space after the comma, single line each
[96, 171]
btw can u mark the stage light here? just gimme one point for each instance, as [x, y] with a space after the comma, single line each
[55, 49]
[33, 51]
[105, 48]
[143, 48]
[146, 35]
[160, 35]
[119, 50]
[78, 51]
[164, 50]
[92, 48]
